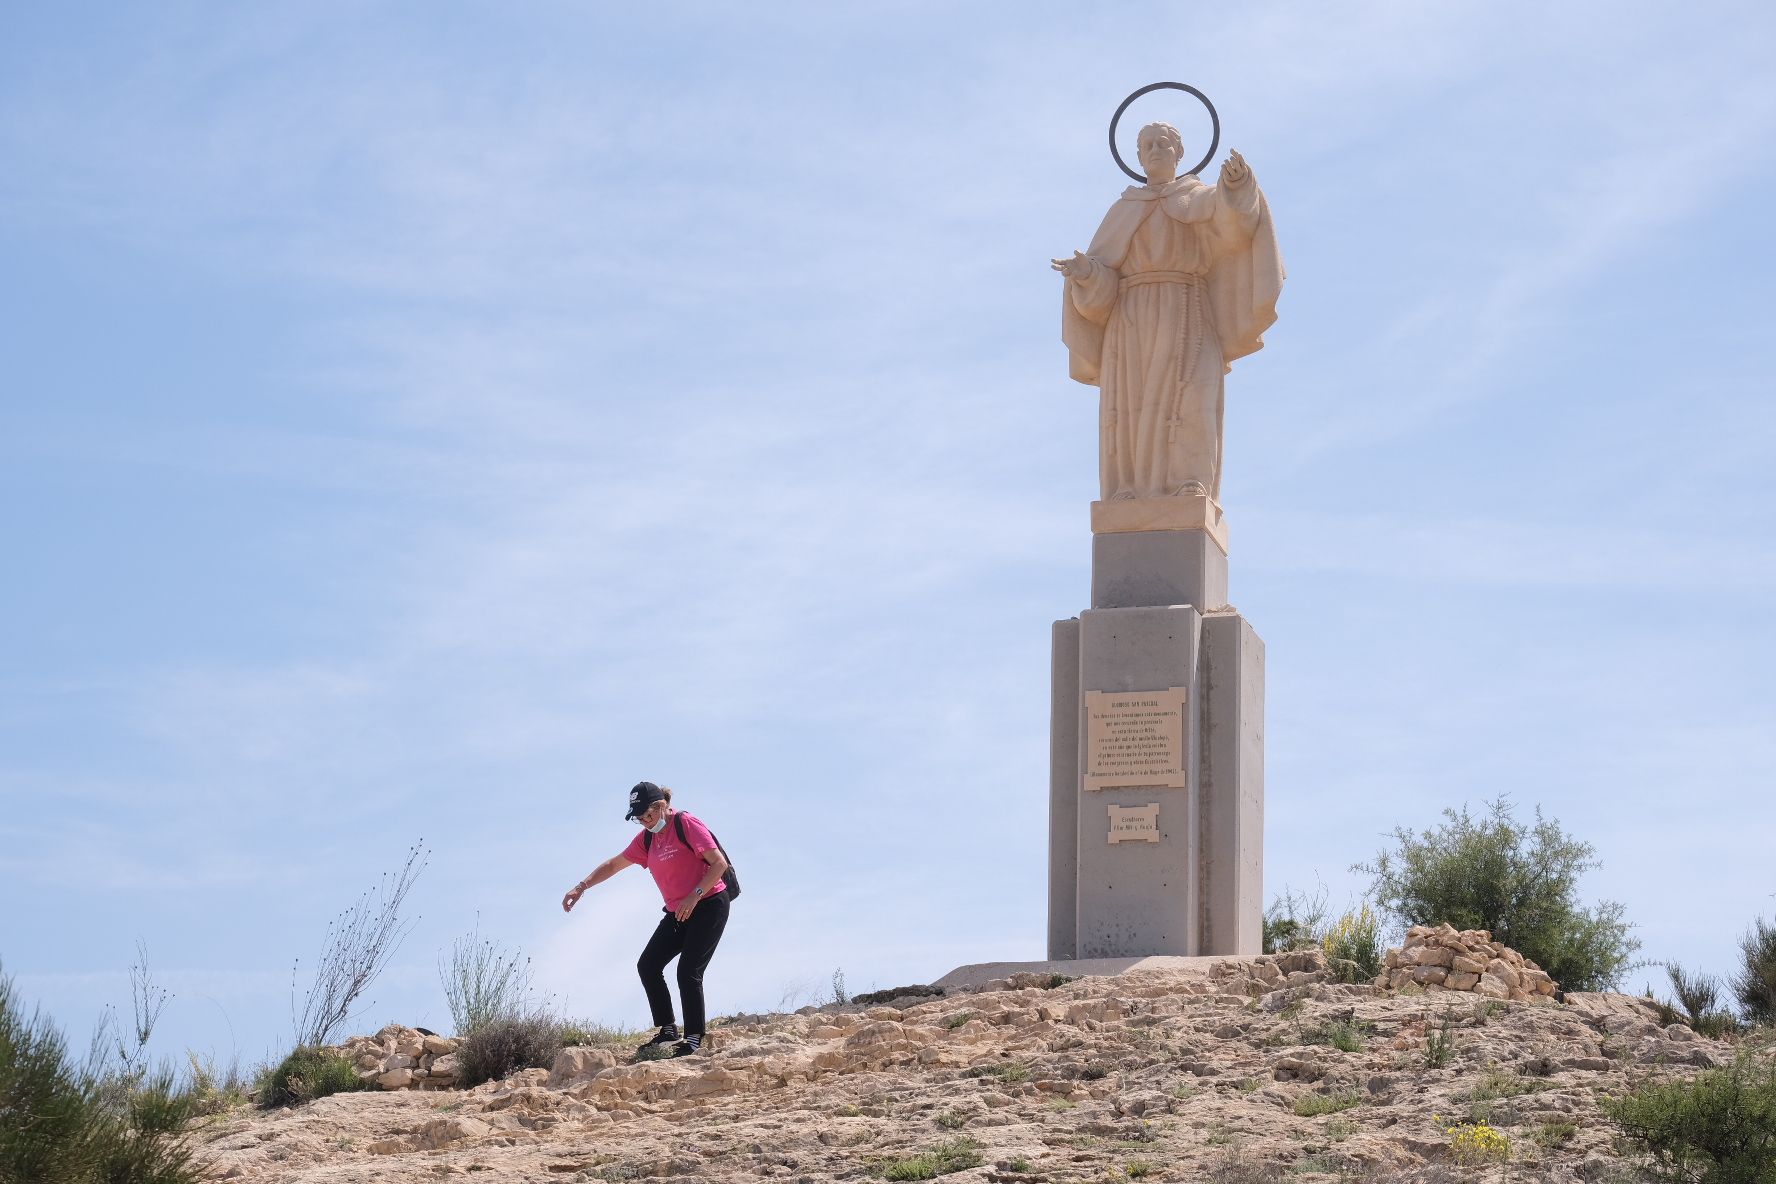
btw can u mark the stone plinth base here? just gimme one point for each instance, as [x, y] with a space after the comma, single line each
[1185, 512]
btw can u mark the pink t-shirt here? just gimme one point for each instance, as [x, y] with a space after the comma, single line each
[676, 871]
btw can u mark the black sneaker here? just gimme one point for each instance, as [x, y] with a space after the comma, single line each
[665, 1035]
[686, 1047]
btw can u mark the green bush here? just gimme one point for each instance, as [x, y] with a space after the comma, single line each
[1699, 997]
[1516, 880]
[1314, 1105]
[916, 991]
[1356, 937]
[1294, 921]
[215, 1090]
[1697, 994]
[1719, 1128]
[65, 1125]
[1236, 1169]
[150, 1146]
[591, 1034]
[1346, 1035]
[1716, 1025]
[49, 1129]
[958, 1155]
[505, 1046]
[1754, 985]
[1440, 1042]
[307, 1074]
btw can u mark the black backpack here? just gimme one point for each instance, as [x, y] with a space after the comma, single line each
[730, 877]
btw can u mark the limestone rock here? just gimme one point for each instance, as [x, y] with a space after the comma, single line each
[442, 1132]
[714, 1081]
[1614, 1013]
[571, 1064]
[1500, 969]
[1492, 986]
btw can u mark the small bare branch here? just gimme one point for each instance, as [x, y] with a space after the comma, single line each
[358, 947]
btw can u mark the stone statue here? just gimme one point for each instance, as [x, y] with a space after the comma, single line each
[1181, 279]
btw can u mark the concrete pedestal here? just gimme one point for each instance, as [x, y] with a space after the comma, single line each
[1144, 568]
[1159, 622]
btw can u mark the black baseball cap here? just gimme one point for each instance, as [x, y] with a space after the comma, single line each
[645, 794]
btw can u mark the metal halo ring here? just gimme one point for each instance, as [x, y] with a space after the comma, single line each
[1214, 142]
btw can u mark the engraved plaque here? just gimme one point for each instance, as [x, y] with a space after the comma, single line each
[1134, 738]
[1137, 823]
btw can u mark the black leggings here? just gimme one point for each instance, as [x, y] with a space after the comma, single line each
[693, 943]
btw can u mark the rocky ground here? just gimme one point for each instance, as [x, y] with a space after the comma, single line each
[1251, 1069]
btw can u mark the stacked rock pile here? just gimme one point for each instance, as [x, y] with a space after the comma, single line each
[403, 1058]
[1444, 958]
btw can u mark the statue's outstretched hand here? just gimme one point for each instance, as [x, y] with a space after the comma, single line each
[1076, 268]
[1235, 170]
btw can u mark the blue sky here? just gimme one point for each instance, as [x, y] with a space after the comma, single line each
[424, 421]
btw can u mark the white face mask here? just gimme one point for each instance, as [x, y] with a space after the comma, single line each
[659, 826]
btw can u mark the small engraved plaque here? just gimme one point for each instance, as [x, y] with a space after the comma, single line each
[1134, 823]
[1134, 738]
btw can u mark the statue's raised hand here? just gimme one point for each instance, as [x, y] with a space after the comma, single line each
[1076, 268]
[1235, 170]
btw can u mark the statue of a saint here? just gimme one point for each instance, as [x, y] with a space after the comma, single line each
[1181, 279]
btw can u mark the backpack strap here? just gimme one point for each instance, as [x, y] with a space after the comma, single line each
[678, 818]
[647, 836]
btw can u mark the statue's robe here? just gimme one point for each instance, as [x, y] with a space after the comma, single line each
[1183, 279]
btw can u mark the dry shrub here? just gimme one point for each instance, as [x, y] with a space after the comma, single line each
[504, 1046]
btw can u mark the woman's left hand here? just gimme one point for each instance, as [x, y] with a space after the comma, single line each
[683, 911]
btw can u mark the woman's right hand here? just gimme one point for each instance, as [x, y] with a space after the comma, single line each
[572, 898]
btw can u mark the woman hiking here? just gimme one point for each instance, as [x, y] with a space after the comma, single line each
[687, 865]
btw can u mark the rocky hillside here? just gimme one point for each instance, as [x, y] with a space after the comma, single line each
[1236, 1070]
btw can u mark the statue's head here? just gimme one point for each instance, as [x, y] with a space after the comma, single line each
[1160, 148]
